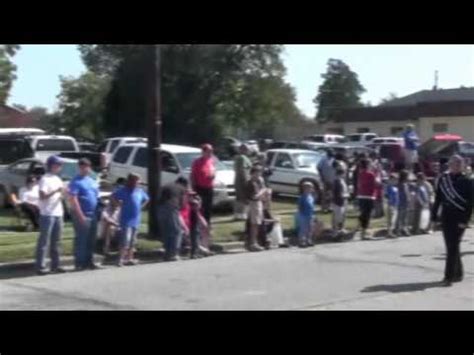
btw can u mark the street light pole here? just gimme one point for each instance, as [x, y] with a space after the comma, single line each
[154, 138]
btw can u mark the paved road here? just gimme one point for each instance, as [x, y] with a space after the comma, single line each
[386, 274]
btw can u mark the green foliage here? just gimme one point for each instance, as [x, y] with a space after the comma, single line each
[207, 90]
[340, 89]
[7, 70]
[81, 104]
[391, 96]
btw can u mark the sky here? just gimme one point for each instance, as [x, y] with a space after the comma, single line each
[382, 69]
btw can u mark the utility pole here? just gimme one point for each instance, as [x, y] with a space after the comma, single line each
[154, 138]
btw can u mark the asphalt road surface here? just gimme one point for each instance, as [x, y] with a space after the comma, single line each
[397, 274]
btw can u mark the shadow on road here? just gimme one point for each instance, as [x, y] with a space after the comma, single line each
[396, 288]
[410, 255]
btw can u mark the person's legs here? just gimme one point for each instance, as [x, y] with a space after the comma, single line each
[207, 196]
[32, 213]
[46, 225]
[91, 241]
[55, 241]
[458, 269]
[451, 255]
[125, 236]
[81, 242]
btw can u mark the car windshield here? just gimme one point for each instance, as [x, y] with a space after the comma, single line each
[466, 148]
[186, 161]
[55, 145]
[305, 160]
[70, 170]
[11, 151]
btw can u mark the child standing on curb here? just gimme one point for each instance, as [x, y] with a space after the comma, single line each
[392, 206]
[305, 215]
[404, 201]
[133, 199]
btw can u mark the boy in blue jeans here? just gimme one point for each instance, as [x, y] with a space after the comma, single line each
[305, 215]
[132, 199]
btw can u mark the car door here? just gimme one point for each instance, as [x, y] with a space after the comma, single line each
[139, 163]
[16, 175]
[118, 165]
[283, 178]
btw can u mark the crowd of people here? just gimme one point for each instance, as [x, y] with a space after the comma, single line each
[409, 202]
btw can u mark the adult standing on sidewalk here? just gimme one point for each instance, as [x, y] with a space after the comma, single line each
[51, 189]
[411, 146]
[455, 193]
[84, 198]
[203, 173]
[242, 166]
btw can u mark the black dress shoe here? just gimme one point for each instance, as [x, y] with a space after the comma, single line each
[94, 267]
[458, 279]
[446, 283]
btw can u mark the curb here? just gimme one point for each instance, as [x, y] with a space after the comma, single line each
[30, 264]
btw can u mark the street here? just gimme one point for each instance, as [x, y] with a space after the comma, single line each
[399, 274]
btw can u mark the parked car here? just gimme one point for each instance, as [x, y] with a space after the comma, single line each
[47, 145]
[360, 139]
[176, 161]
[13, 176]
[392, 155]
[87, 147]
[253, 146]
[325, 138]
[290, 168]
[110, 145]
[443, 146]
[226, 148]
[97, 159]
[13, 149]
[380, 140]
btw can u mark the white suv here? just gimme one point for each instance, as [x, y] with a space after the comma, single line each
[290, 168]
[176, 161]
[44, 146]
[110, 146]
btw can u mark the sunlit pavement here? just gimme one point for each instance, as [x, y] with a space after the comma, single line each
[387, 274]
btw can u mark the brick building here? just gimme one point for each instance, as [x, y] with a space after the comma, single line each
[11, 117]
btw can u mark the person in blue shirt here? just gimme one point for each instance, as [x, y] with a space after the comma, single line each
[305, 215]
[83, 199]
[411, 141]
[391, 193]
[132, 199]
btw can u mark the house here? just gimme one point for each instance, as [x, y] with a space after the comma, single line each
[11, 117]
[431, 111]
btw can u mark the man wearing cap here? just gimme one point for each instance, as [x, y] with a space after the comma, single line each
[242, 166]
[203, 173]
[411, 146]
[84, 198]
[51, 189]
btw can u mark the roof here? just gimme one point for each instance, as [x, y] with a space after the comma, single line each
[289, 150]
[439, 95]
[407, 112]
[169, 147]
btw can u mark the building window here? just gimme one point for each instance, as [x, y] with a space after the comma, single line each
[395, 131]
[363, 130]
[440, 127]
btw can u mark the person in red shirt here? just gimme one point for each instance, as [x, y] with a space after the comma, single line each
[203, 172]
[366, 193]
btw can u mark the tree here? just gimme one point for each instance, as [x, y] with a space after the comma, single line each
[7, 70]
[391, 96]
[340, 89]
[20, 107]
[81, 105]
[206, 89]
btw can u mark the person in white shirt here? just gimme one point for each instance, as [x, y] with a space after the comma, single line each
[51, 189]
[29, 200]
